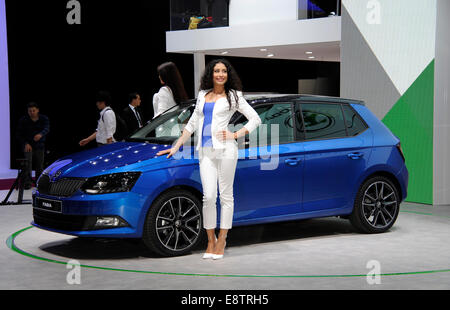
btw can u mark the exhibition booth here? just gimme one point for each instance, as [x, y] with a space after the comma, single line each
[87, 222]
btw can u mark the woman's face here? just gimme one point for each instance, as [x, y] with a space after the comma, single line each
[220, 74]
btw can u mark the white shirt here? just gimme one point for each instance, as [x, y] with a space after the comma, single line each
[106, 125]
[221, 117]
[163, 100]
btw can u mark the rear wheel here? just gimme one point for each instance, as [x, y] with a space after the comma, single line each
[376, 206]
[174, 224]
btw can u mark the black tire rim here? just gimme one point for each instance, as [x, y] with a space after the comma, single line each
[178, 224]
[379, 205]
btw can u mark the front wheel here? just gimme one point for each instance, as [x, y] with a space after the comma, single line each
[376, 206]
[174, 224]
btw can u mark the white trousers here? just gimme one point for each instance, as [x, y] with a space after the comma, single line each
[217, 166]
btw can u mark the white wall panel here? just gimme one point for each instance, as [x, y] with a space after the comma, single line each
[441, 152]
[244, 12]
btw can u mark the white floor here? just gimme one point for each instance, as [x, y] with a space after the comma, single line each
[314, 254]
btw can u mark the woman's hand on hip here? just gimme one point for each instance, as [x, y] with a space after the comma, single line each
[223, 135]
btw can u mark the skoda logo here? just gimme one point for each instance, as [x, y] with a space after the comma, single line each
[54, 170]
[56, 175]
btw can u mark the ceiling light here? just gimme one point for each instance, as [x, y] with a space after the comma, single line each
[263, 49]
[311, 57]
[224, 53]
[308, 53]
[270, 55]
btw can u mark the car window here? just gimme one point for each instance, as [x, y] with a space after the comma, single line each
[166, 128]
[276, 123]
[354, 123]
[323, 121]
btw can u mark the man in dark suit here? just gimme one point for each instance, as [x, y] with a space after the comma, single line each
[132, 114]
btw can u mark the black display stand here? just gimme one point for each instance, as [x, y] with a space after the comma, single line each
[18, 184]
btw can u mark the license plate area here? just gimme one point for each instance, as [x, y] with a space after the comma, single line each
[48, 204]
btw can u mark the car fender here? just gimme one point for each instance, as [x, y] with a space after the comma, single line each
[166, 179]
[373, 170]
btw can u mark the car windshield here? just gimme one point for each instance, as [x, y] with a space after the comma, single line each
[166, 128]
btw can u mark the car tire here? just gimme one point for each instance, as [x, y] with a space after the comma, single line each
[173, 225]
[376, 206]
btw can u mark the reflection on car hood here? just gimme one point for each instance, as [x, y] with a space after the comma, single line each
[106, 159]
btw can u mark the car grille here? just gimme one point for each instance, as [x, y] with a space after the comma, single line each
[63, 221]
[63, 188]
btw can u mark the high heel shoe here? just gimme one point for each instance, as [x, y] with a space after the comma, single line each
[208, 255]
[219, 256]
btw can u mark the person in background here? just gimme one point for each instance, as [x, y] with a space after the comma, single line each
[172, 91]
[106, 126]
[132, 114]
[31, 133]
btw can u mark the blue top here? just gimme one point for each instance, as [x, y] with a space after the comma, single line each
[206, 131]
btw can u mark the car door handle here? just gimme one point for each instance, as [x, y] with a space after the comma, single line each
[355, 155]
[292, 161]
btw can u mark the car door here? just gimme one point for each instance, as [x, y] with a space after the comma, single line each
[337, 148]
[269, 179]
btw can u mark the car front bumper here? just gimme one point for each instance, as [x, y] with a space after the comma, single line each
[86, 215]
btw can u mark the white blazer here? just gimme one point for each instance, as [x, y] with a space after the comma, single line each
[163, 100]
[221, 116]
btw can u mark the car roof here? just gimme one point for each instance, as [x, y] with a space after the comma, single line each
[261, 98]
[255, 98]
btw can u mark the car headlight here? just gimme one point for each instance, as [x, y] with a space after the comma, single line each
[111, 183]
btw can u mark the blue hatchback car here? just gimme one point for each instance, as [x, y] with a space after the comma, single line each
[311, 157]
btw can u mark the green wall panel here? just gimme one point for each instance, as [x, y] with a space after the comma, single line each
[411, 120]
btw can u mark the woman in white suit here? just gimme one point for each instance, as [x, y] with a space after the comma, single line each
[219, 98]
[172, 90]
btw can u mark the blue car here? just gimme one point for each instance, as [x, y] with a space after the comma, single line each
[311, 157]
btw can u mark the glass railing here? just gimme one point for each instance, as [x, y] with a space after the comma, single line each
[198, 14]
[318, 8]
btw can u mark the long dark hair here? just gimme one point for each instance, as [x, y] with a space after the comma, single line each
[232, 85]
[171, 77]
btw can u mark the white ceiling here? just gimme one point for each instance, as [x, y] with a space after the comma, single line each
[289, 39]
[324, 51]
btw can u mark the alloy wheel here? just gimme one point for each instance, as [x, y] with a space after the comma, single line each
[379, 204]
[178, 224]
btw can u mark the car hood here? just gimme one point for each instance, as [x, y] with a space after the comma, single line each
[115, 157]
